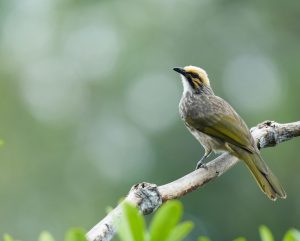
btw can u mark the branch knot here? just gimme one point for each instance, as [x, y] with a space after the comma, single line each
[147, 196]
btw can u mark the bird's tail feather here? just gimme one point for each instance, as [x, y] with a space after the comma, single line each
[266, 180]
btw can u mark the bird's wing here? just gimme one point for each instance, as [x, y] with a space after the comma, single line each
[221, 121]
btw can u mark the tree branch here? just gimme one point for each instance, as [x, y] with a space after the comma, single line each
[148, 197]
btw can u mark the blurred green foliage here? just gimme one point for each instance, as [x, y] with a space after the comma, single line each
[74, 234]
[164, 226]
[266, 235]
[89, 107]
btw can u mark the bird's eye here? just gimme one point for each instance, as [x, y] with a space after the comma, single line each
[194, 75]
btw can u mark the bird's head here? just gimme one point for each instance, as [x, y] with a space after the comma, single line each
[194, 79]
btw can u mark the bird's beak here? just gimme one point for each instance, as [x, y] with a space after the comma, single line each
[180, 71]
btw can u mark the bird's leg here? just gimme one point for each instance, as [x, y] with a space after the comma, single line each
[200, 163]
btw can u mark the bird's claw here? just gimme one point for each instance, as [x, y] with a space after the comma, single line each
[201, 164]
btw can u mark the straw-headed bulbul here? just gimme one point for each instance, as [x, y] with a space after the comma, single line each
[218, 127]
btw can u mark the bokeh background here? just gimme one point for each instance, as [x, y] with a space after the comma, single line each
[89, 107]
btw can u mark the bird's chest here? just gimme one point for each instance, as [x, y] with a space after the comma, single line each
[191, 107]
[199, 109]
[183, 108]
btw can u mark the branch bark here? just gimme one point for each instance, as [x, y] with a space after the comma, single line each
[148, 197]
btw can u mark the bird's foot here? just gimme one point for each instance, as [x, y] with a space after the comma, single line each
[201, 164]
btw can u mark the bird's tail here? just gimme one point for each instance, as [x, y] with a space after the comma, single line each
[266, 180]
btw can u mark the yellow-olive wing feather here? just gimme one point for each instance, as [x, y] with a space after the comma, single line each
[220, 120]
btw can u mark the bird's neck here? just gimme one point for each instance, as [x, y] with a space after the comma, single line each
[187, 88]
[206, 90]
[203, 89]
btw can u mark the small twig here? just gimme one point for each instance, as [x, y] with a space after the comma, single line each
[148, 197]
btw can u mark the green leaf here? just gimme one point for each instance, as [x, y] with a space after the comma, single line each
[181, 231]
[75, 234]
[203, 238]
[292, 235]
[1, 144]
[7, 237]
[132, 226]
[165, 220]
[265, 233]
[240, 239]
[45, 236]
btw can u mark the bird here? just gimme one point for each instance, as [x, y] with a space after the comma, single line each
[219, 128]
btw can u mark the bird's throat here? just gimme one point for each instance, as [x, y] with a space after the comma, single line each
[188, 88]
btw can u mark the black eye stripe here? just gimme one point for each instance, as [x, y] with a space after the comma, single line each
[191, 82]
[194, 75]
